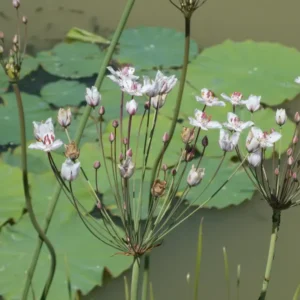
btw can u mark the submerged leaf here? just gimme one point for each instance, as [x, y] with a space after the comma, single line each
[81, 35]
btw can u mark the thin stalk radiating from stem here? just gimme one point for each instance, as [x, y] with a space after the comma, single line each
[38, 229]
[99, 80]
[275, 227]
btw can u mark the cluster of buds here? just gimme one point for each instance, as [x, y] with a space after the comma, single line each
[187, 7]
[13, 63]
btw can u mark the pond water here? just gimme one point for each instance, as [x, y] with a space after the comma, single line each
[244, 230]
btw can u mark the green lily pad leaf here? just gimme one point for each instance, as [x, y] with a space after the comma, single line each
[63, 93]
[153, 47]
[34, 110]
[236, 191]
[12, 198]
[29, 65]
[73, 60]
[68, 234]
[258, 68]
[81, 35]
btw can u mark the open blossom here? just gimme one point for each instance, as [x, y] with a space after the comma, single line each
[208, 98]
[203, 121]
[92, 96]
[44, 134]
[132, 87]
[131, 107]
[234, 99]
[297, 80]
[280, 116]
[119, 76]
[127, 167]
[228, 142]
[253, 103]
[234, 123]
[258, 138]
[159, 88]
[254, 158]
[195, 176]
[70, 170]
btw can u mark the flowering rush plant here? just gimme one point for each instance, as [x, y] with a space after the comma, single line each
[127, 180]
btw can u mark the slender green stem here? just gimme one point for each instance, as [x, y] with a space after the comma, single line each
[179, 96]
[275, 227]
[38, 229]
[226, 269]
[49, 214]
[135, 279]
[146, 277]
[126, 288]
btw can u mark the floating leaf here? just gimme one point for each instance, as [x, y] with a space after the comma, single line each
[12, 199]
[29, 65]
[81, 35]
[234, 192]
[153, 47]
[34, 109]
[68, 234]
[258, 68]
[63, 93]
[73, 60]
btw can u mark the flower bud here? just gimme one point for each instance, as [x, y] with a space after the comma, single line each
[1, 35]
[72, 151]
[280, 116]
[295, 140]
[1, 50]
[195, 176]
[64, 117]
[125, 140]
[92, 96]
[131, 107]
[187, 135]
[16, 3]
[276, 172]
[289, 151]
[173, 172]
[205, 141]
[164, 167]
[129, 152]
[115, 123]
[147, 105]
[101, 110]
[24, 20]
[165, 137]
[190, 154]
[290, 160]
[111, 137]
[70, 170]
[97, 164]
[295, 176]
[121, 157]
[98, 204]
[15, 39]
[158, 188]
[297, 117]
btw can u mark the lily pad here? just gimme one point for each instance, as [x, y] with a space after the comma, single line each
[73, 60]
[63, 93]
[236, 191]
[153, 47]
[34, 110]
[68, 234]
[260, 68]
[29, 65]
[12, 199]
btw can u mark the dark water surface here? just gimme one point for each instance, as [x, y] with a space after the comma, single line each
[244, 230]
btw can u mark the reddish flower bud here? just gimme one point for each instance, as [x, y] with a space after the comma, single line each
[290, 160]
[125, 140]
[111, 137]
[205, 141]
[165, 137]
[276, 171]
[101, 110]
[289, 151]
[173, 172]
[147, 105]
[97, 164]
[1, 35]
[121, 157]
[24, 20]
[295, 140]
[115, 123]
[297, 117]
[164, 167]
[129, 152]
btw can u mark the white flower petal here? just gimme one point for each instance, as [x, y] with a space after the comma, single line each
[214, 124]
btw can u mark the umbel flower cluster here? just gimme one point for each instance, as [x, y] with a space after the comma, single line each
[128, 186]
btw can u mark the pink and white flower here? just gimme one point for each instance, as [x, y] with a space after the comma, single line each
[119, 76]
[255, 158]
[203, 121]
[70, 170]
[253, 103]
[228, 142]
[263, 139]
[234, 99]
[280, 116]
[92, 96]
[131, 107]
[297, 80]
[208, 98]
[44, 134]
[131, 87]
[195, 176]
[234, 123]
